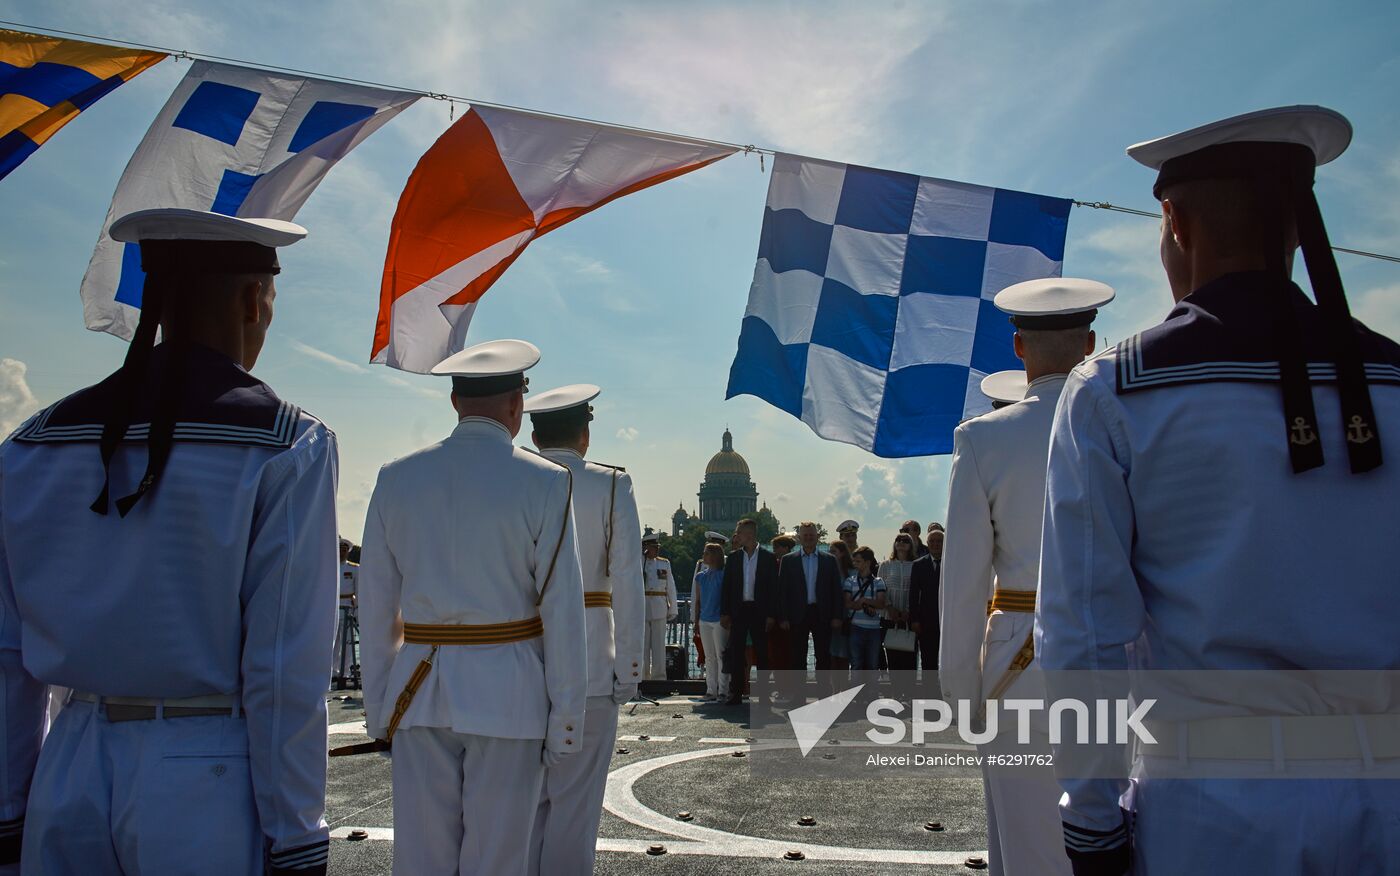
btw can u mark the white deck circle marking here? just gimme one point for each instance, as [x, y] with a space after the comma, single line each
[693, 839]
[621, 800]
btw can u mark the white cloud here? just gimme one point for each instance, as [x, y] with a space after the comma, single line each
[884, 494]
[628, 433]
[1379, 308]
[586, 266]
[817, 78]
[416, 388]
[16, 400]
[328, 358]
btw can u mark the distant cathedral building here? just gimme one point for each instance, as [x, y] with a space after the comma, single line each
[727, 494]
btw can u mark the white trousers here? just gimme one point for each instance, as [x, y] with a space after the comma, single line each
[565, 837]
[715, 638]
[463, 804]
[141, 798]
[1024, 834]
[654, 650]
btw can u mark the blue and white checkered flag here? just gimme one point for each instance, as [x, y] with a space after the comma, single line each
[870, 317]
[236, 141]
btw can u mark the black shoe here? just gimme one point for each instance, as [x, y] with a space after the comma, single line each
[734, 700]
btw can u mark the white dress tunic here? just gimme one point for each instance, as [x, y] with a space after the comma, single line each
[661, 608]
[1174, 524]
[222, 581]
[996, 500]
[464, 532]
[609, 528]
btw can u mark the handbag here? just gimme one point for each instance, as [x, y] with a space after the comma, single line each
[900, 639]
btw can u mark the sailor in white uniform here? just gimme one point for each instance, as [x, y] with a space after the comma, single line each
[990, 564]
[605, 512]
[661, 606]
[191, 607]
[344, 657]
[1217, 499]
[472, 626]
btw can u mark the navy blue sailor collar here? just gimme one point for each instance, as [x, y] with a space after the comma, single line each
[220, 403]
[1223, 332]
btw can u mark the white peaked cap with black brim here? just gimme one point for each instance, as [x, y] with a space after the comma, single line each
[1006, 387]
[489, 368]
[1053, 303]
[563, 403]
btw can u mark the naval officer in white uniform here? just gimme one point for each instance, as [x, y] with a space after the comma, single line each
[1218, 499]
[660, 582]
[992, 558]
[472, 626]
[605, 512]
[191, 607]
[344, 658]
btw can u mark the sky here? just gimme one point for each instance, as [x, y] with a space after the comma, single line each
[645, 296]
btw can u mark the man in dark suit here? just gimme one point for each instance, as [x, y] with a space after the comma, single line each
[748, 603]
[923, 598]
[809, 586]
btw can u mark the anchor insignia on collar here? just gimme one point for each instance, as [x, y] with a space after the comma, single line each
[1301, 433]
[1359, 432]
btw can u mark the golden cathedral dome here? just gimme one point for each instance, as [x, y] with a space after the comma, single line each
[727, 461]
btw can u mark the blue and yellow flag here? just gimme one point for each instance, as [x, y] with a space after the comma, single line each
[46, 81]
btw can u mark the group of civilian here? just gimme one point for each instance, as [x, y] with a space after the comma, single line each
[771, 608]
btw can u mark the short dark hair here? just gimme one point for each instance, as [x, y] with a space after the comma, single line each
[555, 431]
[747, 523]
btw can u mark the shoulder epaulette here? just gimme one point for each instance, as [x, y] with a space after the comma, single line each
[613, 467]
[548, 460]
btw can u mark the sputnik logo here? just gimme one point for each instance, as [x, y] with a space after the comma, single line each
[810, 722]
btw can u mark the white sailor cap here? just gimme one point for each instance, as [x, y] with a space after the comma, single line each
[650, 537]
[565, 404]
[489, 368]
[200, 242]
[1053, 303]
[847, 524]
[1233, 147]
[172, 223]
[711, 535]
[1004, 387]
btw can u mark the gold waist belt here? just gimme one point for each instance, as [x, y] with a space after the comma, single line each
[1012, 600]
[473, 634]
[655, 592]
[597, 599]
